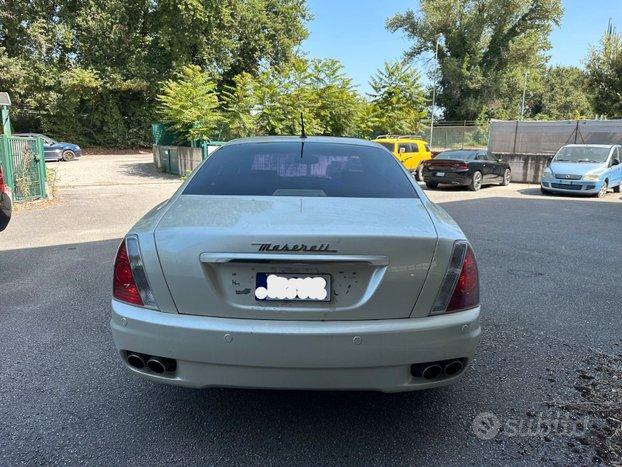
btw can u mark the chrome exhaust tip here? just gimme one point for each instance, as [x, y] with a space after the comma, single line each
[156, 365]
[136, 361]
[432, 371]
[453, 368]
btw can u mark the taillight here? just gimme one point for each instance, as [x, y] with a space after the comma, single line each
[460, 287]
[462, 166]
[466, 292]
[130, 281]
[2, 183]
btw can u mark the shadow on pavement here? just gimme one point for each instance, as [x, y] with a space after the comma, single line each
[146, 170]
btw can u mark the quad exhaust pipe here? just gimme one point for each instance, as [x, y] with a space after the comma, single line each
[434, 370]
[157, 365]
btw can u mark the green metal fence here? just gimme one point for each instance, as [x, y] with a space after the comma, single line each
[23, 163]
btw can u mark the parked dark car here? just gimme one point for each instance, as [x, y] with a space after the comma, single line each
[56, 150]
[471, 168]
[5, 202]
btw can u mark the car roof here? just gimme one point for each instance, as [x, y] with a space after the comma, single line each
[590, 145]
[464, 150]
[298, 139]
[395, 140]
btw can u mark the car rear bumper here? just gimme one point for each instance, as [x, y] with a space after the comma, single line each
[450, 178]
[337, 355]
[585, 187]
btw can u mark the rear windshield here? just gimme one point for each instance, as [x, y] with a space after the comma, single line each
[457, 155]
[389, 146]
[289, 169]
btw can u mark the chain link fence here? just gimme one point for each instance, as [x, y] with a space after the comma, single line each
[450, 135]
[545, 138]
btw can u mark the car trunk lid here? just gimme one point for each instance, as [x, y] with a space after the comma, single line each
[377, 253]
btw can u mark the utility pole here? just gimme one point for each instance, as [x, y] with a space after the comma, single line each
[434, 94]
[522, 106]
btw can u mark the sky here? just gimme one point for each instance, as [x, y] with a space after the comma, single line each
[353, 32]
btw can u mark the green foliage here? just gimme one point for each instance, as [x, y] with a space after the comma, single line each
[604, 68]
[561, 94]
[189, 104]
[398, 99]
[484, 46]
[272, 102]
[89, 71]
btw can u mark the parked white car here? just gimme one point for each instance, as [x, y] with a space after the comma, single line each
[299, 263]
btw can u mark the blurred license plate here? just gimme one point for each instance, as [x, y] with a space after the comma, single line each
[566, 182]
[292, 287]
[440, 174]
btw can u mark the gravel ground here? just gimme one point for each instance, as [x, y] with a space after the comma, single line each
[545, 386]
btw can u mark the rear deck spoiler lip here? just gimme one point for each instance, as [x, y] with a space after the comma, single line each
[211, 258]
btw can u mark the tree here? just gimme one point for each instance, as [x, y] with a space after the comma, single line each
[131, 46]
[604, 67]
[561, 94]
[484, 46]
[189, 104]
[398, 99]
[272, 102]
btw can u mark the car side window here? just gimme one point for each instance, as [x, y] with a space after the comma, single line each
[402, 147]
[414, 147]
[491, 158]
[427, 148]
[481, 157]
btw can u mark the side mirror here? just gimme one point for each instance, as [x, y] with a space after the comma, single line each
[615, 161]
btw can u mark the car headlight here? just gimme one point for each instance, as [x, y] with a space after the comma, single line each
[593, 177]
[548, 173]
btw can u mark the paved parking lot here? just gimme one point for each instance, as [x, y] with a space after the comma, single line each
[551, 347]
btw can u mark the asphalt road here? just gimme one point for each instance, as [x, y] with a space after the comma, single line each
[551, 347]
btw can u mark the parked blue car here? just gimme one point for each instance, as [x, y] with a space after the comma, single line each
[588, 169]
[55, 150]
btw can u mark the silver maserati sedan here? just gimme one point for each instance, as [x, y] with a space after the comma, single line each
[297, 263]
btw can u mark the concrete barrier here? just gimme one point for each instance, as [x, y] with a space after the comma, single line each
[178, 160]
[526, 168]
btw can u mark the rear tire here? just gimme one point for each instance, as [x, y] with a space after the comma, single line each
[418, 173]
[431, 184]
[476, 181]
[603, 191]
[68, 155]
[507, 177]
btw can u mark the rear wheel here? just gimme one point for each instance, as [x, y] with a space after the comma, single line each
[431, 184]
[476, 181]
[507, 177]
[68, 155]
[418, 173]
[603, 190]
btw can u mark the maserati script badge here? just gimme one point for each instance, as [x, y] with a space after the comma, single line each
[322, 247]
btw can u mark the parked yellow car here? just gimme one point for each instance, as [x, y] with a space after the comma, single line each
[408, 149]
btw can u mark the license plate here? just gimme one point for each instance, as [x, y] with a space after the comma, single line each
[270, 286]
[566, 182]
[440, 174]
